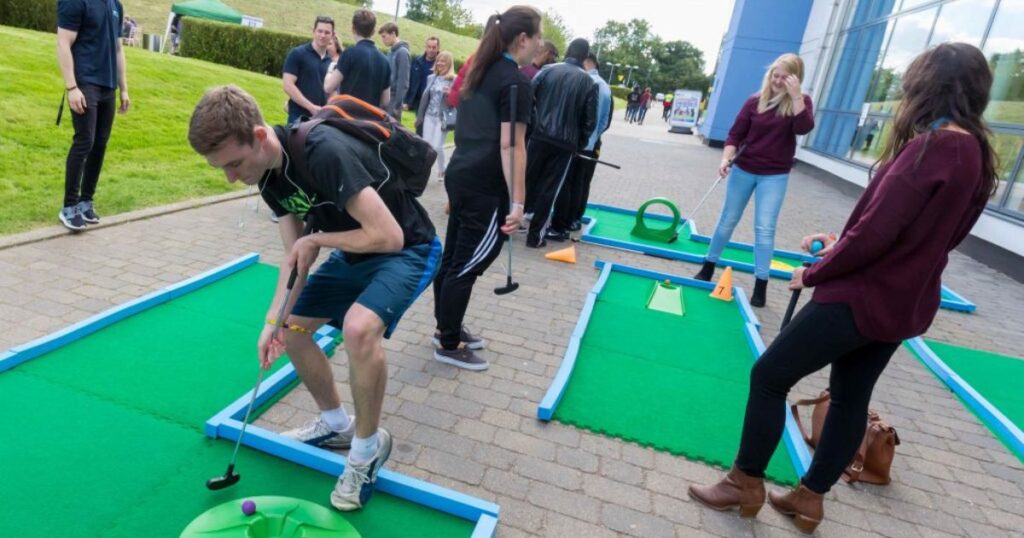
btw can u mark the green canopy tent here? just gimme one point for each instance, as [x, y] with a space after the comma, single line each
[203, 9]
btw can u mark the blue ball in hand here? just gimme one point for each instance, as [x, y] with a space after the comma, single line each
[816, 245]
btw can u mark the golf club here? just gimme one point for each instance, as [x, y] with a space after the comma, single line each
[510, 286]
[708, 193]
[598, 161]
[792, 306]
[230, 477]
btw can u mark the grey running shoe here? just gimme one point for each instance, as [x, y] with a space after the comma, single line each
[316, 432]
[461, 357]
[355, 485]
[466, 337]
[72, 218]
[88, 212]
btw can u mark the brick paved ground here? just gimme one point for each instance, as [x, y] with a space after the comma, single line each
[476, 432]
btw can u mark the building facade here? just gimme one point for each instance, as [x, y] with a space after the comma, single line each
[855, 53]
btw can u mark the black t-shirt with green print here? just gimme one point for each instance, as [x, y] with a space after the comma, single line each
[341, 166]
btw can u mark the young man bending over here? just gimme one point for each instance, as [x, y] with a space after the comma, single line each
[384, 253]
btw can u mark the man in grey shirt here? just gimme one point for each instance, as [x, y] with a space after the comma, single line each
[400, 60]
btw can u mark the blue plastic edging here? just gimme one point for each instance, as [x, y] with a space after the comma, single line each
[40, 346]
[485, 526]
[390, 482]
[958, 303]
[780, 253]
[744, 304]
[796, 447]
[546, 408]
[989, 414]
[630, 270]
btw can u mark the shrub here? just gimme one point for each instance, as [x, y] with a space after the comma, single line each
[257, 50]
[32, 14]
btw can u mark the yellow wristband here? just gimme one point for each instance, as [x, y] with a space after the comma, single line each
[294, 328]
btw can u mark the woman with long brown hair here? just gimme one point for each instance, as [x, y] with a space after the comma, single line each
[877, 285]
[484, 191]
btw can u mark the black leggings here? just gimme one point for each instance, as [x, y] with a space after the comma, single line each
[89, 146]
[819, 335]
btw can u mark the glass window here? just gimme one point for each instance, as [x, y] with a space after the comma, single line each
[1016, 200]
[911, 4]
[1007, 147]
[909, 38]
[870, 140]
[963, 21]
[868, 10]
[1005, 51]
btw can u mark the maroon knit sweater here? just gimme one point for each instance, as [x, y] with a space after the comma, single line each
[889, 259]
[770, 138]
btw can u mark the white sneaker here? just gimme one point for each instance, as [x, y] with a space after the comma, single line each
[316, 432]
[355, 485]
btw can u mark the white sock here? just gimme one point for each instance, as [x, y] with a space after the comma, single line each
[363, 449]
[337, 419]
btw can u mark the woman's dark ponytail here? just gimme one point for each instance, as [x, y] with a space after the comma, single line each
[499, 32]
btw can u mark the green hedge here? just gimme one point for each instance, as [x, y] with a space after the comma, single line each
[621, 92]
[257, 50]
[31, 14]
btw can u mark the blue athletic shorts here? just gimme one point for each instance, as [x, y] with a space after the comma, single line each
[386, 284]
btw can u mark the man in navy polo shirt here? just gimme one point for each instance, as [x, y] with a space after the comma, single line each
[304, 72]
[92, 64]
[363, 71]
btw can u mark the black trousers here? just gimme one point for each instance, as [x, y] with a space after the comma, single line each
[547, 170]
[821, 334]
[472, 242]
[89, 145]
[583, 174]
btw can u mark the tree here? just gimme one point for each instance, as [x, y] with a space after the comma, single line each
[555, 30]
[664, 66]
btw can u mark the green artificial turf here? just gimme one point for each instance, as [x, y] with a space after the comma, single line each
[617, 226]
[996, 377]
[104, 437]
[674, 383]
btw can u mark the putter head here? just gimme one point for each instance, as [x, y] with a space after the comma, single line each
[229, 479]
[506, 289]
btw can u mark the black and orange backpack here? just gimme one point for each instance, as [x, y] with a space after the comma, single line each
[404, 154]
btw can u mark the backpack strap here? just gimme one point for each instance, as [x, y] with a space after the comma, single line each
[297, 136]
[825, 396]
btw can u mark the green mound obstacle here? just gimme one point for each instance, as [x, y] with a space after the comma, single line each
[665, 235]
[668, 298]
[274, 517]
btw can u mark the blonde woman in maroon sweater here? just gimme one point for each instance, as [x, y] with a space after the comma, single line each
[876, 285]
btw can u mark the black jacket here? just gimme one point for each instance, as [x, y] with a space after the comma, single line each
[565, 110]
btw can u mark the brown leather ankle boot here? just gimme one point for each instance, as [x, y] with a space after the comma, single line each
[804, 505]
[736, 490]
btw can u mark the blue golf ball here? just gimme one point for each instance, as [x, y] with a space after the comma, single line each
[816, 245]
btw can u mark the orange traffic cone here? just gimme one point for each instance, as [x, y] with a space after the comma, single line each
[723, 288]
[567, 255]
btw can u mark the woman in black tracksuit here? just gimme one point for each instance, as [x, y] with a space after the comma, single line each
[485, 194]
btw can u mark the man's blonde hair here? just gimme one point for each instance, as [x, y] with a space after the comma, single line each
[224, 113]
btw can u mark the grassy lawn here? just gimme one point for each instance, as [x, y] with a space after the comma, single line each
[296, 16]
[148, 162]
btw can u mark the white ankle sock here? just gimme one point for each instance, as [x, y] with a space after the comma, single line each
[363, 449]
[337, 419]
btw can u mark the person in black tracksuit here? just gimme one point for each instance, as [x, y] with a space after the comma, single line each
[566, 115]
[484, 193]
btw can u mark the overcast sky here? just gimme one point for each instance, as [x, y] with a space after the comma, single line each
[701, 22]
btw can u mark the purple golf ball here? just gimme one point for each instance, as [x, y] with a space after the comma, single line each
[248, 508]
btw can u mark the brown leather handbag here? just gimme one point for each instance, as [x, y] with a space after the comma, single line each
[874, 458]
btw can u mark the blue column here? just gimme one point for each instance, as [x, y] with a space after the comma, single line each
[760, 31]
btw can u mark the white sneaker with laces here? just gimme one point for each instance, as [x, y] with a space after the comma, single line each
[316, 432]
[355, 485]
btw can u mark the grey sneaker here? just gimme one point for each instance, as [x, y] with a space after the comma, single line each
[71, 218]
[355, 485]
[461, 357]
[316, 432]
[88, 212]
[466, 337]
